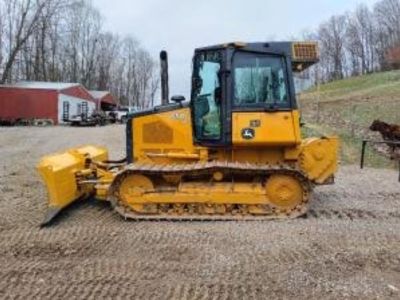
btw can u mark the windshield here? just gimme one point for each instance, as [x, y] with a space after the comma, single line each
[260, 80]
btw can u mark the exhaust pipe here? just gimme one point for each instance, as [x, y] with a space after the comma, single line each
[164, 77]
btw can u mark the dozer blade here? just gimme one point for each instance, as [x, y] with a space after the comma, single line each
[59, 173]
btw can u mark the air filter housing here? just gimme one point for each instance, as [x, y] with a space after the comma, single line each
[304, 55]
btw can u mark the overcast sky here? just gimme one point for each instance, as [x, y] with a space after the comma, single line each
[179, 26]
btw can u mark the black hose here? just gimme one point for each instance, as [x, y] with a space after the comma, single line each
[121, 161]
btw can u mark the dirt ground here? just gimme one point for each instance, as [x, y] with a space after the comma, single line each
[348, 247]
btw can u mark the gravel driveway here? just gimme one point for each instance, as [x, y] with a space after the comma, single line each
[347, 247]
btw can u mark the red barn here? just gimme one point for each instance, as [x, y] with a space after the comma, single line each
[54, 101]
[105, 100]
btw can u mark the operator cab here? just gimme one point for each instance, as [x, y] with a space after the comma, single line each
[247, 78]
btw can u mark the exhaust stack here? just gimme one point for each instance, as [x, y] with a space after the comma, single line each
[164, 77]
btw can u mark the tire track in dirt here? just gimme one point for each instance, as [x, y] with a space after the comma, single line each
[351, 214]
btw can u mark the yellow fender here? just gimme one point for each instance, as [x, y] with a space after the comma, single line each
[319, 157]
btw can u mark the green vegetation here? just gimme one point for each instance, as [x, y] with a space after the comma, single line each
[347, 108]
[368, 85]
[350, 146]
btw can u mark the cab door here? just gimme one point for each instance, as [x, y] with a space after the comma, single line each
[207, 98]
[263, 109]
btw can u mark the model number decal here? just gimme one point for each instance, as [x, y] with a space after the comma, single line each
[179, 116]
[255, 123]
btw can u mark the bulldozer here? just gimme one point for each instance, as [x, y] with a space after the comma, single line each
[233, 152]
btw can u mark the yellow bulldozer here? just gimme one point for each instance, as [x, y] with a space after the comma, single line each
[234, 152]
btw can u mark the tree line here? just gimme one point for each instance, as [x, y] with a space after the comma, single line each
[64, 40]
[359, 42]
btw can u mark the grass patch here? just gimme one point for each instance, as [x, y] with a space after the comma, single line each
[350, 146]
[366, 84]
[347, 108]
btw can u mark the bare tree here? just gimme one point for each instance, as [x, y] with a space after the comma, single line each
[332, 38]
[360, 37]
[107, 51]
[154, 86]
[359, 42]
[2, 34]
[21, 18]
[387, 21]
[62, 40]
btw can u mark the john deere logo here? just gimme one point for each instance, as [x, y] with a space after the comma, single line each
[248, 133]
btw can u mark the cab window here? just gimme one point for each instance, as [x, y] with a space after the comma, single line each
[260, 80]
[206, 97]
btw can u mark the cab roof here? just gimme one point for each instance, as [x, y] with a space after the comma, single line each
[302, 54]
[282, 47]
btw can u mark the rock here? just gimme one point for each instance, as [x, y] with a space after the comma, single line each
[393, 288]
